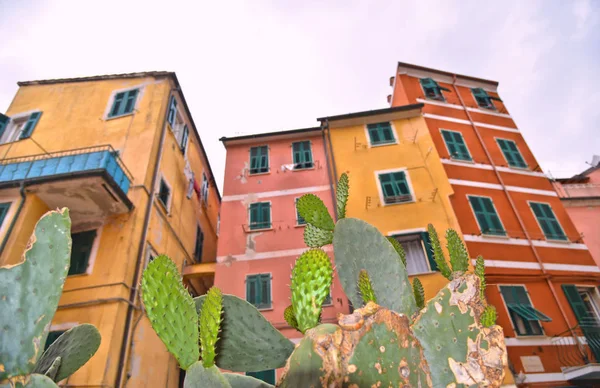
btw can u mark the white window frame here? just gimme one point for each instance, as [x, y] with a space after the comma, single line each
[506, 236]
[508, 311]
[166, 207]
[567, 241]
[111, 100]
[472, 161]
[270, 217]
[394, 134]
[11, 134]
[526, 168]
[408, 181]
[93, 252]
[270, 289]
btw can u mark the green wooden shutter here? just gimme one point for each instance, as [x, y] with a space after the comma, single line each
[30, 125]
[81, 249]
[259, 159]
[511, 153]
[380, 133]
[395, 187]
[302, 155]
[429, 250]
[184, 138]
[4, 120]
[297, 153]
[373, 134]
[265, 290]
[264, 159]
[3, 210]
[299, 219]
[548, 222]
[172, 111]
[482, 98]
[456, 145]
[252, 289]
[117, 103]
[432, 89]
[576, 302]
[130, 97]
[266, 214]
[486, 215]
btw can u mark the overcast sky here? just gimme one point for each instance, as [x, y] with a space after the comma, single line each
[260, 66]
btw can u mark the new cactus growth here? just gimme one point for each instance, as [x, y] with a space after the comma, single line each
[311, 280]
[365, 287]
[480, 272]
[459, 258]
[398, 247]
[438, 253]
[488, 317]
[210, 323]
[343, 187]
[419, 293]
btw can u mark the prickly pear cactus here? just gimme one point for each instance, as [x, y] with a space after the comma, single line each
[29, 294]
[315, 237]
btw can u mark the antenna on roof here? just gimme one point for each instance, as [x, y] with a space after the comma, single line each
[595, 161]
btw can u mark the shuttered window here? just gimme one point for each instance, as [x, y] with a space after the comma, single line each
[4, 120]
[299, 219]
[81, 250]
[259, 160]
[395, 188]
[184, 138]
[511, 153]
[526, 319]
[52, 337]
[547, 220]
[381, 133]
[487, 217]
[30, 125]
[199, 244]
[419, 252]
[432, 89]
[172, 113]
[302, 155]
[456, 145]
[123, 103]
[586, 312]
[3, 210]
[258, 290]
[268, 376]
[483, 99]
[164, 194]
[260, 215]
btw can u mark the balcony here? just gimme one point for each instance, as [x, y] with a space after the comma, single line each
[92, 182]
[579, 356]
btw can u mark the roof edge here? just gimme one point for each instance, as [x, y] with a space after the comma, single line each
[374, 112]
[467, 77]
[97, 78]
[268, 134]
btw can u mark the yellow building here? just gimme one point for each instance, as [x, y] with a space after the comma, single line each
[397, 182]
[122, 152]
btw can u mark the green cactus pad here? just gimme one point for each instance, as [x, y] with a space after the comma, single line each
[385, 354]
[341, 194]
[438, 253]
[290, 317]
[459, 258]
[29, 294]
[315, 237]
[241, 381]
[210, 323]
[365, 287]
[311, 281]
[40, 381]
[398, 247]
[458, 349]
[314, 211]
[488, 317]
[316, 361]
[53, 370]
[75, 347]
[419, 293]
[358, 245]
[248, 343]
[480, 272]
[197, 376]
[171, 310]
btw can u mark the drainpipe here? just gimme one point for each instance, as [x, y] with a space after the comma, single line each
[335, 174]
[546, 276]
[331, 181]
[15, 218]
[133, 295]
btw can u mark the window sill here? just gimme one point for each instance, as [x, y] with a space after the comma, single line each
[119, 116]
[437, 99]
[259, 173]
[502, 237]
[264, 308]
[303, 169]
[259, 230]
[529, 335]
[566, 241]
[163, 206]
[397, 203]
[383, 144]
[299, 225]
[466, 161]
[76, 275]
[526, 168]
[327, 305]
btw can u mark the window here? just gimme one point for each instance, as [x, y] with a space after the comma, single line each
[328, 301]
[268, 376]
[18, 127]
[456, 145]
[483, 99]
[583, 303]
[52, 337]
[164, 193]
[123, 103]
[204, 189]
[185, 134]
[525, 318]
[419, 254]
[381, 133]
[258, 290]
[486, 215]
[299, 219]
[260, 215]
[172, 113]
[547, 220]
[432, 89]
[395, 188]
[259, 160]
[302, 155]
[81, 250]
[199, 244]
[150, 254]
[3, 210]
[511, 153]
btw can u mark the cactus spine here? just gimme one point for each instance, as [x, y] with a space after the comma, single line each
[314, 211]
[315, 237]
[488, 317]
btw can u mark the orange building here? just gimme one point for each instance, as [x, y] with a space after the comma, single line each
[541, 276]
[261, 233]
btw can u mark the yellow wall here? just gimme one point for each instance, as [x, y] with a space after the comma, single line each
[73, 116]
[416, 153]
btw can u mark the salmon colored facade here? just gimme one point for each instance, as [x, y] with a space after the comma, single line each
[255, 256]
[541, 276]
[112, 150]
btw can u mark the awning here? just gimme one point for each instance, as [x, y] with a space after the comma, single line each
[528, 312]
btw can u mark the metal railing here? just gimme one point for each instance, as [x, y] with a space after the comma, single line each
[578, 350]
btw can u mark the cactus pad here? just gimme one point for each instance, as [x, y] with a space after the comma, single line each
[365, 287]
[438, 253]
[197, 376]
[341, 193]
[459, 258]
[171, 310]
[248, 343]
[311, 281]
[29, 294]
[457, 347]
[210, 323]
[314, 211]
[358, 245]
[53, 370]
[241, 381]
[290, 317]
[315, 237]
[75, 347]
[398, 247]
[419, 293]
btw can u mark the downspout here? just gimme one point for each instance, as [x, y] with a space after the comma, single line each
[133, 295]
[15, 218]
[331, 183]
[335, 174]
[514, 209]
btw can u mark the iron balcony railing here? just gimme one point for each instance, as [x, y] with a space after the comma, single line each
[578, 346]
[76, 161]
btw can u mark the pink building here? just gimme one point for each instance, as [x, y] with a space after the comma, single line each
[581, 196]
[261, 234]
